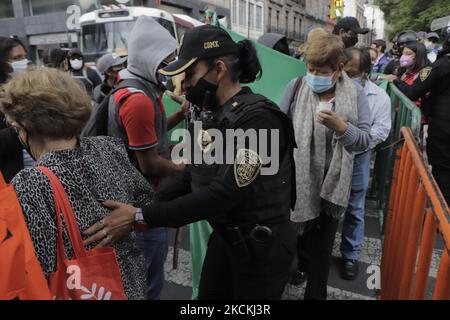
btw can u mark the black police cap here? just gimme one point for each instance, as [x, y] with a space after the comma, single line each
[200, 43]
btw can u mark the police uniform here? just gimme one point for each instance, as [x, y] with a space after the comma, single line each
[252, 249]
[435, 80]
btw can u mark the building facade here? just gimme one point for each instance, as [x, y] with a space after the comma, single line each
[317, 16]
[376, 23]
[295, 18]
[42, 24]
[247, 17]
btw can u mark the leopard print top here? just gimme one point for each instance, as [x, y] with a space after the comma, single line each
[98, 169]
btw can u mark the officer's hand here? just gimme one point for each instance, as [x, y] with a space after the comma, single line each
[332, 121]
[389, 77]
[115, 226]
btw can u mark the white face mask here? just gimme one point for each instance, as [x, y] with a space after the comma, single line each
[76, 64]
[19, 66]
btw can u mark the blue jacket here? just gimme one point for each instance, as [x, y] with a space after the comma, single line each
[381, 64]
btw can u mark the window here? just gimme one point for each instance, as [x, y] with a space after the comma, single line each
[6, 9]
[287, 21]
[175, 10]
[242, 10]
[259, 16]
[38, 7]
[252, 15]
[234, 11]
[270, 20]
[278, 20]
[300, 26]
[295, 26]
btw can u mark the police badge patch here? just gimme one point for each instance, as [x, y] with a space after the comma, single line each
[247, 166]
[425, 73]
[204, 140]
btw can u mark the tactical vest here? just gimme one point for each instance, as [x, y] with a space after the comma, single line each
[269, 198]
[115, 127]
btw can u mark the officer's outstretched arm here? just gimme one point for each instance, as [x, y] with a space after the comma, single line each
[175, 186]
[215, 199]
[426, 80]
[225, 193]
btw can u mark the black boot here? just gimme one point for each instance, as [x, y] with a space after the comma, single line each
[350, 269]
[298, 278]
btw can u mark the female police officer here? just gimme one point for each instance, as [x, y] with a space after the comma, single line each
[435, 80]
[251, 251]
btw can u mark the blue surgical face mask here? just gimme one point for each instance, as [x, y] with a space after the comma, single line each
[319, 84]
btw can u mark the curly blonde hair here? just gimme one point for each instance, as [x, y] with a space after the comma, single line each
[313, 34]
[48, 103]
[325, 49]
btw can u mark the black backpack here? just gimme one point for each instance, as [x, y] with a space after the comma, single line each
[97, 124]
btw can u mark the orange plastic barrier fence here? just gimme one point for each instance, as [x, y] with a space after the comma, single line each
[417, 211]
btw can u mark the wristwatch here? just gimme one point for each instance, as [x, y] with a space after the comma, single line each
[139, 223]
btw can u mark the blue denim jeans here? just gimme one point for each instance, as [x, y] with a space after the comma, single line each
[353, 228]
[153, 244]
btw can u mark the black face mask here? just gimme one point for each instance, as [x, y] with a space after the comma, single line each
[350, 41]
[26, 144]
[198, 96]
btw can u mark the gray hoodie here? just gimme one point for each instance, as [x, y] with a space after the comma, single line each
[149, 44]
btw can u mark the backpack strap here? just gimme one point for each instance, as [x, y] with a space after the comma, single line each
[133, 86]
[297, 86]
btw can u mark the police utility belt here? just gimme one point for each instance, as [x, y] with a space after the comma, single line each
[243, 239]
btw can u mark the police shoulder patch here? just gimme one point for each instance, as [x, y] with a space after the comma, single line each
[425, 73]
[247, 167]
[204, 140]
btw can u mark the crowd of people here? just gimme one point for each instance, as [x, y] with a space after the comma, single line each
[125, 190]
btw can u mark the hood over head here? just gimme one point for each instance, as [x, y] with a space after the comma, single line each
[148, 46]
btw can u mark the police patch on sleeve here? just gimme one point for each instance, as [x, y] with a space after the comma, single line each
[425, 73]
[247, 166]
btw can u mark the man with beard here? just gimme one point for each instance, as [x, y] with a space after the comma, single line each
[348, 29]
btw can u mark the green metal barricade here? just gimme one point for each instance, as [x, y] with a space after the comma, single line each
[404, 113]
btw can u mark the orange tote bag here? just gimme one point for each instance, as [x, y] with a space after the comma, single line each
[90, 275]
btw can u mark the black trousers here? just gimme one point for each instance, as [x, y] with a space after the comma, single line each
[315, 247]
[442, 176]
[263, 277]
[438, 151]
